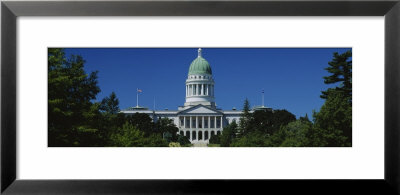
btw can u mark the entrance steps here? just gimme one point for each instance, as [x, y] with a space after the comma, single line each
[200, 144]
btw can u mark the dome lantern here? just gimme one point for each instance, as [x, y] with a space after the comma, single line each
[200, 65]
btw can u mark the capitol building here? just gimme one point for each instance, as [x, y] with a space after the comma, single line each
[198, 118]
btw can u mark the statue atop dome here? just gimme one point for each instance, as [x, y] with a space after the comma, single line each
[199, 53]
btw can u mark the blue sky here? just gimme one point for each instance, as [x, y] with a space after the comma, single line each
[292, 77]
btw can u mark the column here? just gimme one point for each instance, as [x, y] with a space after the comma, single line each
[197, 135]
[209, 122]
[202, 122]
[190, 125]
[184, 122]
[202, 89]
[207, 89]
[197, 123]
[215, 122]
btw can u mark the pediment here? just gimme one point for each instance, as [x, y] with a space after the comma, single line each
[200, 109]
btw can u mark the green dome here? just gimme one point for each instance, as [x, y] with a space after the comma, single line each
[200, 66]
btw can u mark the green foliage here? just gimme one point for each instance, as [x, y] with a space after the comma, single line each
[245, 119]
[166, 127]
[341, 72]
[143, 122]
[155, 140]
[70, 110]
[335, 120]
[128, 136]
[228, 134]
[296, 134]
[215, 139]
[110, 104]
[183, 140]
[253, 139]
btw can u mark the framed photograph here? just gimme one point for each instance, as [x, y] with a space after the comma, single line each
[199, 97]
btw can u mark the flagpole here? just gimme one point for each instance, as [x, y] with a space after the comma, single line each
[137, 97]
[263, 98]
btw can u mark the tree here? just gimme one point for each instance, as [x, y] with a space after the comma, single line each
[335, 120]
[282, 118]
[228, 134]
[253, 139]
[183, 140]
[262, 121]
[333, 124]
[215, 139]
[341, 72]
[166, 127]
[128, 136]
[70, 92]
[143, 122]
[110, 104]
[296, 134]
[245, 118]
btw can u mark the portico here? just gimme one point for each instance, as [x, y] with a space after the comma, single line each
[200, 127]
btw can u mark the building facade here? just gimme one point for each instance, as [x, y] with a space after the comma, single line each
[198, 118]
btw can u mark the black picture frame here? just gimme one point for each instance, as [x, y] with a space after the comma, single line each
[10, 10]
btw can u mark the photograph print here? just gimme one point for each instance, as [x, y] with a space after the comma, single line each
[200, 97]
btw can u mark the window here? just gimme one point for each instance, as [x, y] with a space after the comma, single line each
[200, 86]
[194, 123]
[200, 123]
[187, 123]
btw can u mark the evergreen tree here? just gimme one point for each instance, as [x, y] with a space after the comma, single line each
[244, 119]
[110, 104]
[70, 110]
[341, 72]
